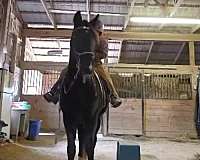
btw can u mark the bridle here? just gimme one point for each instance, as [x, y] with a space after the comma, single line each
[77, 57]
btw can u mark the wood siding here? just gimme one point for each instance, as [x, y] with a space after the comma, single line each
[162, 118]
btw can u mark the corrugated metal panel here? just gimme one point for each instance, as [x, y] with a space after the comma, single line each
[111, 1]
[65, 18]
[148, 11]
[36, 18]
[111, 20]
[161, 53]
[135, 46]
[30, 6]
[70, 6]
[109, 8]
[187, 12]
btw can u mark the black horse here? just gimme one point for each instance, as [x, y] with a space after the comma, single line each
[83, 102]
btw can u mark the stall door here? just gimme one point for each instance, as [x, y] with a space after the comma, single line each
[127, 119]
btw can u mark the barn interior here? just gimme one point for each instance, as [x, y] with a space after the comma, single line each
[153, 60]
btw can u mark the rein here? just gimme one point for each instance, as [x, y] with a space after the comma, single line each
[78, 68]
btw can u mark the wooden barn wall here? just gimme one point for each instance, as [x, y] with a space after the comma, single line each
[47, 112]
[170, 118]
[162, 118]
[127, 119]
[11, 43]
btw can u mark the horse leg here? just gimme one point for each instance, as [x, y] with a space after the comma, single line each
[97, 129]
[90, 147]
[71, 136]
[91, 139]
[82, 153]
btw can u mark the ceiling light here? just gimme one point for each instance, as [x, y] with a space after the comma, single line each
[157, 20]
[59, 11]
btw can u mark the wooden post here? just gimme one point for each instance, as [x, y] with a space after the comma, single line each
[143, 106]
[192, 64]
[21, 60]
[13, 53]
[192, 53]
[194, 74]
[7, 22]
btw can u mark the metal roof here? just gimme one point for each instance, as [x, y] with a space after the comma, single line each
[155, 52]
[115, 15]
[113, 12]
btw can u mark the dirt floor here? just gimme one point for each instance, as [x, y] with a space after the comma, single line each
[151, 149]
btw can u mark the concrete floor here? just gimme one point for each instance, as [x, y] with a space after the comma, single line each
[151, 149]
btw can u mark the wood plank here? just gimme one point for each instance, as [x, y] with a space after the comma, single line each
[43, 110]
[116, 35]
[42, 65]
[191, 53]
[127, 119]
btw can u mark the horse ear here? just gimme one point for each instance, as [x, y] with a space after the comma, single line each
[93, 21]
[77, 19]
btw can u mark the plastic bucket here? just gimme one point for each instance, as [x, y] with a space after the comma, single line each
[34, 129]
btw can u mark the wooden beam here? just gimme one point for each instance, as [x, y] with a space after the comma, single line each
[6, 22]
[47, 33]
[42, 65]
[53, 15]
[193, 72]
[196, 28]
[13, 53]
[22, 60]
[157, 2]
[120, 50]
[179, 52]
[192, 53]
[18, 15]
[115, 35]
[150, 49]
[121, 67]
[51, 19]
[129, 14]
[176, 6]
[146, 3]
[172, 13]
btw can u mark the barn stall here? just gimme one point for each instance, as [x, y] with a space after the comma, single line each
[154, 67]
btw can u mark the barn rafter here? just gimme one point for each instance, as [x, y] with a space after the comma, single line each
[51, 18]
[149, 52]
[179, 52]
[177, 4]
[129, 13]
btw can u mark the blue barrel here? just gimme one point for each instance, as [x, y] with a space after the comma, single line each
[34, 129]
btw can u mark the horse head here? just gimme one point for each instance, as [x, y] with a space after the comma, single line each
[84, 42]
